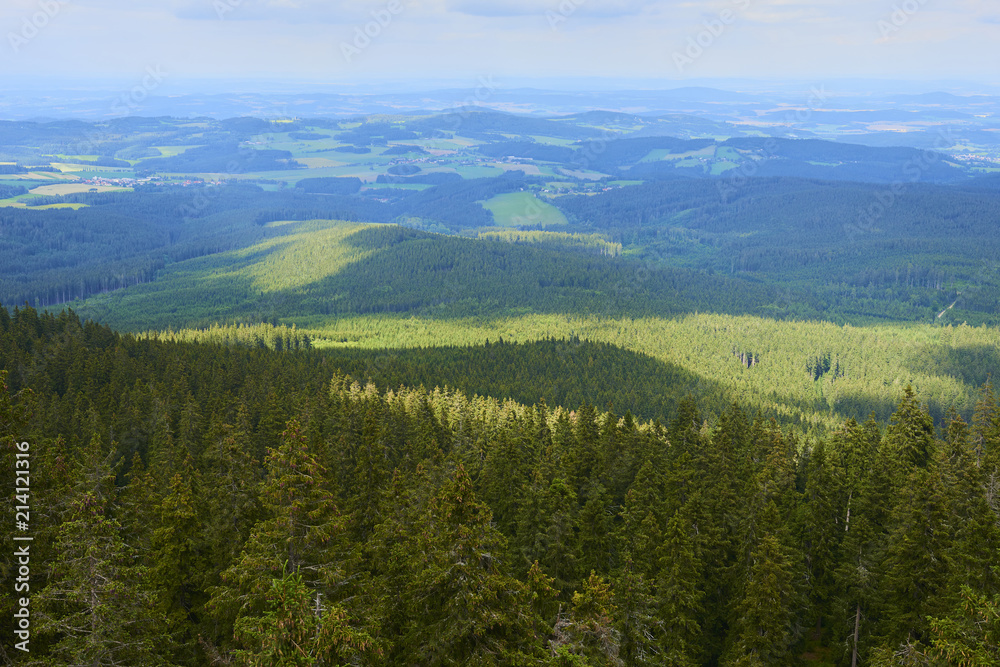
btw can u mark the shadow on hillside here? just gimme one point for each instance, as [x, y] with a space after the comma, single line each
[860, 406]
[438, 276]
[560, 372]
[972, 364]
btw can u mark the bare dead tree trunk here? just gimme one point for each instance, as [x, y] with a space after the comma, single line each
[857, 627]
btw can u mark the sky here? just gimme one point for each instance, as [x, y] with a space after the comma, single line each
[183, 44]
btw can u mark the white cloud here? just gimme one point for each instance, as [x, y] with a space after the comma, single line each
[469, 38]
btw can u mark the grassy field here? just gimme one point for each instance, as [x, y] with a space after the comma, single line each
[656, 155]
[399, 186]
[728, 153]
[72, 188]
[320, 162]
[43, 176]
[518, 209]
[171, 151]
[16, 202]
[471, 171]
[76, 168]
[553, 141]
[291, 176]
[722, 166]
[582, 174]
[77, 158]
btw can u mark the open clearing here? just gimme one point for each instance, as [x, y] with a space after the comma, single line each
[73, 188]
[516, 209]
[41, 176]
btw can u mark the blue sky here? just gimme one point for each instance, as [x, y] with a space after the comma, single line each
[367, 42]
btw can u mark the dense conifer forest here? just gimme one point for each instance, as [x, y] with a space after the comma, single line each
[195, 503]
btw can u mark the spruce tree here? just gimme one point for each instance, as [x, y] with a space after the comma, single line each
[680, 591]
[298, 629]
[96, 608]
[177, 559]
[823, 528]
[763, 626]
[463, 605]
[587, 635]
[301, 534]
[639, 628]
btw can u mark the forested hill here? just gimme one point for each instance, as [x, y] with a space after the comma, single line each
[194, 504]
[324, 269]
[789, 248]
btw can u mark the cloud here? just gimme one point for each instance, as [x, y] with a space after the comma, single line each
[337, 12]
[512, 8]
[495, 8]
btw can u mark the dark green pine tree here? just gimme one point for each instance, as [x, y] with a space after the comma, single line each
[684, 433]
[640, 630]
[14, 420]
[463, 605]
[975, 528]
[823, 525]
[909, 439]
[970, 635]
[366, 455]
[595, 528]
[388, 554]
[986, 431]
[986, 444]
[301, 534]
[232, 504]
[177, 561]
[587, 635]
[721, 479]
[643, 520]
[546, 528]
[543, 599]
[680, 591]
[137, 507]
[862, 507]
[502, 479]
[298, 629]
[914, 572]
[912, 568]
[96, 609]
[763, 624]
[584, 459]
